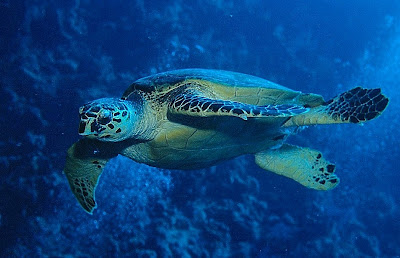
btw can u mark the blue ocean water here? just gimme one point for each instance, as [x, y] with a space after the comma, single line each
[57, 55]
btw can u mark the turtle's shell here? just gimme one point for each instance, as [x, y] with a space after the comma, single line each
[186, 142]
[227, 85]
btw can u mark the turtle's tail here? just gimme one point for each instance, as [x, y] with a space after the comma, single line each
[354, 106]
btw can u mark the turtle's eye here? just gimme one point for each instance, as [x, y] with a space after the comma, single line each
[104, 117]
[104, 120]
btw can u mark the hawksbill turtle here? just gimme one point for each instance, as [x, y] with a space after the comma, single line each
[194, 118]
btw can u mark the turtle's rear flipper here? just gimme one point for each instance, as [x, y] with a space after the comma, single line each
[303, 165]
[354, 106]
[85, 162]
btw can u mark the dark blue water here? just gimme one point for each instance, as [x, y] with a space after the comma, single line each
[57, 55]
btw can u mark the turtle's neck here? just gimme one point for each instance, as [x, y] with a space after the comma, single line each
[143, 121]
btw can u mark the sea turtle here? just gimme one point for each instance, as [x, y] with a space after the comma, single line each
[194, 118]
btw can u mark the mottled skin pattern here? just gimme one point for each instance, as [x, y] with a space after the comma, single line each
[192, 102]
[194, 118]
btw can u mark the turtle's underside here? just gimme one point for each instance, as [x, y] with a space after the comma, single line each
[194, 118]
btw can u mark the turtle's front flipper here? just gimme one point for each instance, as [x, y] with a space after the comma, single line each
[197, 105]
[354, 106]
[303, 165]
[85, 162]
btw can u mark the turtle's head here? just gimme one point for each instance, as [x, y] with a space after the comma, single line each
[109, 119]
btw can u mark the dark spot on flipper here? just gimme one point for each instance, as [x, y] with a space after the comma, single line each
[319, 155]
[361, 116]
[186, 106]
[237, 111]
[118, 131]
[111, 126]
[256, 112]
[205, 105]
[117, 120]
[365, 109]
[330, 168]
[371, 115]
[91, 202]
[98, 166]
[179, 98]
[355, 90]
[194, 103]
[361, 92]
[215, 107]
[379, 98]
[333, 181]
[124, 113]
[345, 115]
[382, 105]
[354, 119]
[195, 109]
[322, 182]
[226, 108]
[117, 113]
[373, 93]
[364, 99]
[321, 169]
[178, 103]
[347, 95]
[95, 162]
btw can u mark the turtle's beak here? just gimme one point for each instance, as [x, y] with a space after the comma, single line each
[88, 128]
[84, 129]
[82, 126]
[88, 125]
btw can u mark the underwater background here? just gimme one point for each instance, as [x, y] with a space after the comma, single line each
[57, 55]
